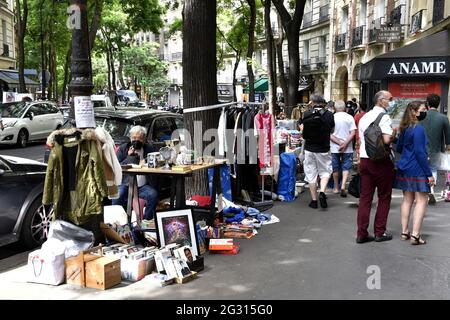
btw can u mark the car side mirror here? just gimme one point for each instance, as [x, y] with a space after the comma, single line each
[30, 115]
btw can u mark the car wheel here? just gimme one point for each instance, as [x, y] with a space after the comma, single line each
[36, 224]
[22, 138]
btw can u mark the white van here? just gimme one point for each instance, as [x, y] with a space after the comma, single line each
[101, 101]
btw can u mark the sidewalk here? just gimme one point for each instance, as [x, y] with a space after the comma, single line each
[310, 254]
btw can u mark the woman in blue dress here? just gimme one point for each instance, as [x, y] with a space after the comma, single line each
[414, 175]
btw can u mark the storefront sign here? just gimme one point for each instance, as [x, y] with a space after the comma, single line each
[389, 34]
[417, 89]
[425, 68]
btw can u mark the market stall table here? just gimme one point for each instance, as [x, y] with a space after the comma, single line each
[178, 185]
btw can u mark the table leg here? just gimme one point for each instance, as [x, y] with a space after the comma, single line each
[173, 187]
[131, 185]
[181, 194]
[216, 187]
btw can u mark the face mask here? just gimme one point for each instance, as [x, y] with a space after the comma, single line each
[390, 107]
[422, 116]
[137, 144]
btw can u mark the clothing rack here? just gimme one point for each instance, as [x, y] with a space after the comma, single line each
[221, 105]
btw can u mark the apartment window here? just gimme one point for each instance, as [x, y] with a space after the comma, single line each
[258, 57]
[381, 8]
[322, 47]
[305, 52]
[344, 21]
[363, 13]
[4, 31]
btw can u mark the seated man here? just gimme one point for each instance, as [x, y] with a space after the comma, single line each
[135, 152]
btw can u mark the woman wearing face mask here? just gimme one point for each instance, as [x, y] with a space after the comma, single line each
[414, 175]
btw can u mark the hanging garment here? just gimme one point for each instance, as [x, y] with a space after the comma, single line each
[76, 191]
[286, 176]
[221, 132]
[264, 128]
[296, 113]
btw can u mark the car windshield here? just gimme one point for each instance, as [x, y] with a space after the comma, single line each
[127, 96]
[98, 104]
[116, 128]
[12, 110]
[135, 104]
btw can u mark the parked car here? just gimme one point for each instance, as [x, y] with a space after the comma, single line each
[29, 121]
[22, 215]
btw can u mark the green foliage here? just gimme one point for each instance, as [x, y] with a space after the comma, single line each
[144, 64]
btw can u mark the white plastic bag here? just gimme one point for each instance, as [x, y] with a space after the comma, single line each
[46, 265]
[74, 238]
[444, 161]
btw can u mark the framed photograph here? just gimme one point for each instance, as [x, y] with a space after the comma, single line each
[177, 226]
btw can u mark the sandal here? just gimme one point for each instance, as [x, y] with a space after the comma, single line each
[417, 240]
[406, 236]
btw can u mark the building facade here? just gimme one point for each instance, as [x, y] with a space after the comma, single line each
[7, 35]
[370, 35]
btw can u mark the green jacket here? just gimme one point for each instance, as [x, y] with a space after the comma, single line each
[437, 129]
[89, 182]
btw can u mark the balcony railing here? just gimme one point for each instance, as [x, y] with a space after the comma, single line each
[438, 11]
[321, 63]
[307, 19]
[358, 36]
[5, 50]
[396, 15]
[324, 13]
[340, 42]
[416, 22]
[177, 56]
[306, 64]
[372, 35]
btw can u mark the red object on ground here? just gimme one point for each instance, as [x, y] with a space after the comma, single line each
[235, 250]
[202, 201]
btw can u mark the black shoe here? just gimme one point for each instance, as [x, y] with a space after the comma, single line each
[431, 199]
[323, 200]
[385, 237]
[364, 240]
[343, 193]
[313, 204]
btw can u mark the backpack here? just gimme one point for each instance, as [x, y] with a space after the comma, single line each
[373, 137]
[315, 129]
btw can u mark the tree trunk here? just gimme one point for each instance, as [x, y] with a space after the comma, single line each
[270, 53]
[236, 65]
[113, 70]
[95, 24]
[279, 54]
[66, 74]
[291, 25]
[22, 18]
[108, 62]
[250, 49]
[120, 71]
[199, 77]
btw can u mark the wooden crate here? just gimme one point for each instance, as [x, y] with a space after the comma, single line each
[103, 273]
[186, 279]
[75, 266]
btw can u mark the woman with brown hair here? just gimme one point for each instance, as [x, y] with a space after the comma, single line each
[414, 175]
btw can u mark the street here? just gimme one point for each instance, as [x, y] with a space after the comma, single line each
[34, 151]
[309, 254]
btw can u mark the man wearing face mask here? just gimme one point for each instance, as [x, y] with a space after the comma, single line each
[134, 152]
[375, 174]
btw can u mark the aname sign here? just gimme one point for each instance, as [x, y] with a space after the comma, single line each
[418, 68]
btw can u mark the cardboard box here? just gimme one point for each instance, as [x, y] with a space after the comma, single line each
[186, 279]
[220, 244]
[135, 270]
[103, 273]
[75, 266]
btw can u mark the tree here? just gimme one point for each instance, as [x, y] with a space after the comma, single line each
[199, 75]
[22, 17]
[251, 49]
[291, 25]
[271, 56]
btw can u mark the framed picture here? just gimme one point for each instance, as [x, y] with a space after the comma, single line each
[177, 226]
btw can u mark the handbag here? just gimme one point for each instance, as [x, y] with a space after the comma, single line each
[354, 187]
[444, 161]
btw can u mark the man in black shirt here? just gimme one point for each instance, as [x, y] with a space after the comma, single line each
[317, 126]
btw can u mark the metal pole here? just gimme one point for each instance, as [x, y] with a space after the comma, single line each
[44, 80]
[81, 71]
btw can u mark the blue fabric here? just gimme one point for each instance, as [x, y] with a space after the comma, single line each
[286, 176]
[149, 194]
[412, 147]
[237, 218]
[341, 161]
[411, 184]
[231, 211]
[252, 211]
[225, 179]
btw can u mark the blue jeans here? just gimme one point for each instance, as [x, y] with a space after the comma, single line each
[149, 194]
[341, 161]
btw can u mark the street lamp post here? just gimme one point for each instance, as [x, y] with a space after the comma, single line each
[43, 78]
[81, 85]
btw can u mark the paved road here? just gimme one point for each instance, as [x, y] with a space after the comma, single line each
[34, 151]
[309, 254]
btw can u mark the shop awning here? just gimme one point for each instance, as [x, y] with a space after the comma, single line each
[261, 85]
[426, 57]
[12, 79]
